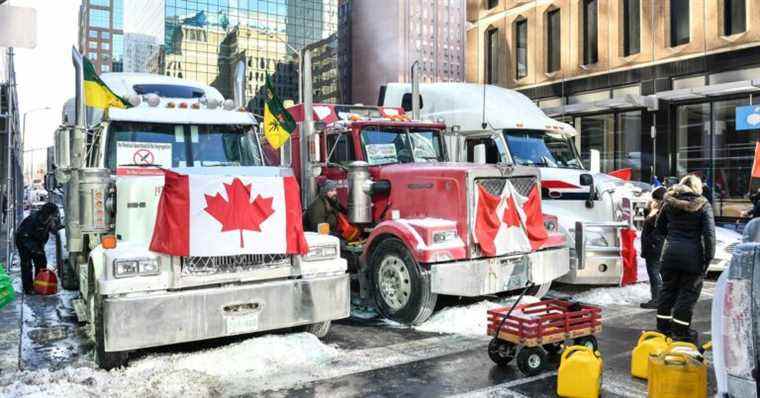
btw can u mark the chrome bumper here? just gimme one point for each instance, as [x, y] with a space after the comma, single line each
[150, 320]
[498, 274]
[601, 268]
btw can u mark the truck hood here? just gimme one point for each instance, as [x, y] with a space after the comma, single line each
[569, 180]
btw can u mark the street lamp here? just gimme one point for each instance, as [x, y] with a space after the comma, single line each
[23, 138]
[298, 53]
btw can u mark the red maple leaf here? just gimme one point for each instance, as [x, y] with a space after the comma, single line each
[239, 213]
[511, 216]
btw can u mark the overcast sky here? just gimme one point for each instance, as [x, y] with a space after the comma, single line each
[45, 74]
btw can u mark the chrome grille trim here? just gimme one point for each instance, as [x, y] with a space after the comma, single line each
[232, 264]
[495, 185]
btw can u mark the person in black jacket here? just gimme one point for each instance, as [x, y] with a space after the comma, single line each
[31, 237]
[686, 220]
[755, 210]
[651, 246]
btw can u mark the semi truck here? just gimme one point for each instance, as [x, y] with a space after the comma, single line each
[417, 211]
[592, 207]
[110, 165]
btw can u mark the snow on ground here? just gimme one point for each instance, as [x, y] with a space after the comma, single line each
[626, 295]
[468, 320]
[220, 371]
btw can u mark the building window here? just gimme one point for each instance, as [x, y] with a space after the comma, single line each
[553, 43]
[101, 3]
[631, 27]
[93, 34]
[492, 4]
[679, 22]
[521, 45]
[492, 56]
[100, 19]
[734, 17]
[93, 45]
[590, 50]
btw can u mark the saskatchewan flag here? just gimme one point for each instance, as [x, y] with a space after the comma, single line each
[96, 93]
[278, 123]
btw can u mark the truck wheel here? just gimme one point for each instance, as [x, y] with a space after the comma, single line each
[318, 329]
[105, 359]
[401, 289]
[69, 278]
[588, 341]
[531, 360]
[501, 352]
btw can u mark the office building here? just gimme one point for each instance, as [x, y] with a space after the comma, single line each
[101, 34]
[653, 85]
[387, 37]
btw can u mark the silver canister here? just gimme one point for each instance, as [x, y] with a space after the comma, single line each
[359, 188]
[93, 193]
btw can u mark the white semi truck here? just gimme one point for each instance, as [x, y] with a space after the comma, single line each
[507, 128]
[135, 298]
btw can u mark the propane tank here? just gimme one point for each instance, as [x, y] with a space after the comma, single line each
[359, 188]
[93, 193]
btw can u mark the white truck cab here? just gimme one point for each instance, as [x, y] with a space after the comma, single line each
[110, 167]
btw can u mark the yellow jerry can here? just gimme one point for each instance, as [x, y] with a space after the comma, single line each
[649, 343]
[677, 372]
[580, 373]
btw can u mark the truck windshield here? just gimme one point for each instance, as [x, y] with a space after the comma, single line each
[169, 145]
[386, 145]
[542, 149]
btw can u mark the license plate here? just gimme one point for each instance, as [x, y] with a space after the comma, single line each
[242, 323]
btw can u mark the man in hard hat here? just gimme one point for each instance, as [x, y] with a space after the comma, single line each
[31, 237]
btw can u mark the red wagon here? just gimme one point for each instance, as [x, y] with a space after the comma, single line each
[532, 330]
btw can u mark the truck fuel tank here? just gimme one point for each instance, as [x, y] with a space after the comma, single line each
[94, 216]
[359, 190]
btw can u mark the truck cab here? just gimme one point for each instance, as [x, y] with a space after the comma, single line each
[112, 177]
[417, 211]
[592, 207]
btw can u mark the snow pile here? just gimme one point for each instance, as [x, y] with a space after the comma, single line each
[217, 372]
[470, 320]
[626, 295]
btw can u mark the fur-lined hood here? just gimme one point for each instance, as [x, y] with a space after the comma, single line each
[684, 198]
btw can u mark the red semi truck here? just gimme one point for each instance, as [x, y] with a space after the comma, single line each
[418, 211]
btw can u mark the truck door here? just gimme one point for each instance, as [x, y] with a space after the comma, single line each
[340, 152]
[493, 154]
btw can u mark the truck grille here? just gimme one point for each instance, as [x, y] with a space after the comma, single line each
[231, 264]
[495, 186]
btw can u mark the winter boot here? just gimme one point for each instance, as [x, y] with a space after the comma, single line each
[663, 326]
[649, 305]
[684, 333]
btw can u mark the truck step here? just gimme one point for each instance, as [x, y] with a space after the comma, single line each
[81, 309]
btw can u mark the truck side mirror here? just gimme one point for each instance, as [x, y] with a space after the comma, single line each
[479, 154]
[587, 180]
[62, 154]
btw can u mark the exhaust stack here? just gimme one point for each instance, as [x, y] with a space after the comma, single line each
[416, 90]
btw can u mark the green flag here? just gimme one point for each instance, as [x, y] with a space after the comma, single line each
[278, 122]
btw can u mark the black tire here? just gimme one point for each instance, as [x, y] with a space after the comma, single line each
[531, 360]
[588, 341]
[501, 352]
[105, 360]
[318, 329]
[412, 308]
[69, 278]
[553, 349]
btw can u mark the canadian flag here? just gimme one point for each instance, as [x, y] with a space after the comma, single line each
[205, 214]
[508, 223]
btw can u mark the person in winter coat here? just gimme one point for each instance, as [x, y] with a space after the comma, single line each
[755, 210]
[651, 246]
[31, 237]
[324, 209]
[686, 220]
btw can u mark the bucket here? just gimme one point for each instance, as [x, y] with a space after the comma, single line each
[580, 373]
[649, 343]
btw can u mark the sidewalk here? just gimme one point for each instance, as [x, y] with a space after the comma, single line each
[10, 329]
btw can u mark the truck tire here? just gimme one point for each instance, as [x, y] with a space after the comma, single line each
[318, 329]
[401, 289]
[69, 278]
[105, 359]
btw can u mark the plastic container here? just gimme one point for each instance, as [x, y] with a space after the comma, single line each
[580, 373]
[650, 343]
[677, 372]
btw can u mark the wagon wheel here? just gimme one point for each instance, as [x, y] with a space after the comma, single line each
[553, 348]
[531, 360]
[501, 352]
[588, 341]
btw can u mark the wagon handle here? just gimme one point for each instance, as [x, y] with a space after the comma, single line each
[503, 320]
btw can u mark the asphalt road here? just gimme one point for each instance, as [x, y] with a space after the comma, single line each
[384, 360]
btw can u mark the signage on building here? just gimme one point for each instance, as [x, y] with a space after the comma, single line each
[747, 117]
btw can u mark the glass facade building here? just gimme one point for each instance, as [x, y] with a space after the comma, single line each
[101, 38]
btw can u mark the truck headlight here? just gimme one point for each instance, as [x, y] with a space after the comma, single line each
[444, 236]
[134, 267]
[550, 225]
[596, 238]
[318, 253]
